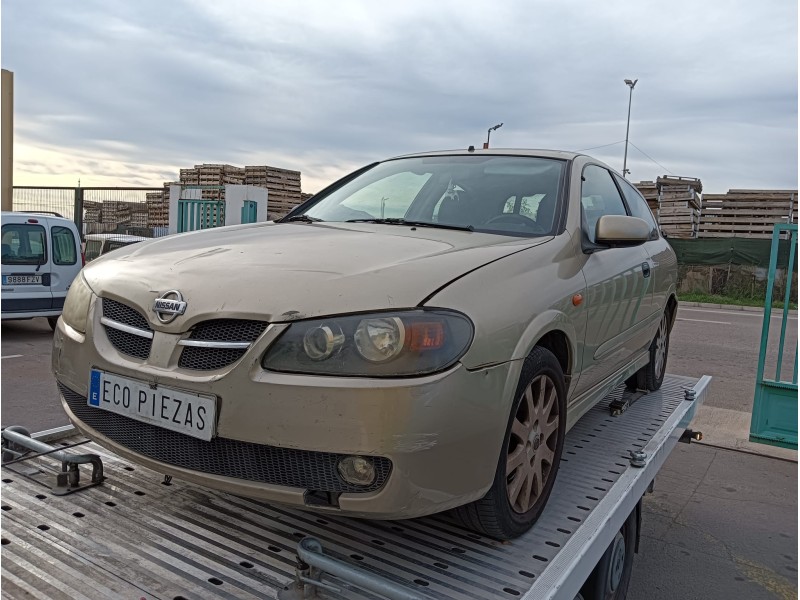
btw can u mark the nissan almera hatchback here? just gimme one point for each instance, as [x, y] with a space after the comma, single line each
[419, 336]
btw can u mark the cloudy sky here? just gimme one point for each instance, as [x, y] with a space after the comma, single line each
[116, 92]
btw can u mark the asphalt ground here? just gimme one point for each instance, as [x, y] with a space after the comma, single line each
[722, 521]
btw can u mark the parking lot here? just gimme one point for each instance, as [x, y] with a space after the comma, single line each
[722, 522]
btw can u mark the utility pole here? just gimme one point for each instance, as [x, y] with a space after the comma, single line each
[630, 84]
[7, 151]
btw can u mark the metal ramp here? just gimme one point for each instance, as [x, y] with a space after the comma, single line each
[139, 536]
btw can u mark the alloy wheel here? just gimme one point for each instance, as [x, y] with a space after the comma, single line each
[661, 348]
[532, 444]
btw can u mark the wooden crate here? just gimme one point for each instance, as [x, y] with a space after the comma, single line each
[747, 213]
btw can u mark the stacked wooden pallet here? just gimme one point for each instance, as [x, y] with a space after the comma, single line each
[157, 209]
[679, 203]
[91, 211]
[212, 176]
[649, 190]
[117, 212]
[140, 216]
[747, 213]
[283, 185]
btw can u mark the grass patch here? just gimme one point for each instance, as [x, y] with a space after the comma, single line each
[732, 300]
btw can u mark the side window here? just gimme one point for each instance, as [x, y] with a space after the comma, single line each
[599, 196]
[93, 248]
[637, 204]
[64, 252]
[23, 244]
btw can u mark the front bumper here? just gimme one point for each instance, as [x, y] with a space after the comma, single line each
[438, 437]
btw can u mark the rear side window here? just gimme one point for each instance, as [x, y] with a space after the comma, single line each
[64, 249]
[23, 244]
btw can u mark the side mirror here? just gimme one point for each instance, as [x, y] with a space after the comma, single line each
[621, 230]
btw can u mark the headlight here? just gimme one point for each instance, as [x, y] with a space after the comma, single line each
[402, 344]
[76, 306]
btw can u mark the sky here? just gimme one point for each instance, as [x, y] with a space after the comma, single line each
[126, 93]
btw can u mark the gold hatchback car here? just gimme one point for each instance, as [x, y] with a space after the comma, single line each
[418, 336]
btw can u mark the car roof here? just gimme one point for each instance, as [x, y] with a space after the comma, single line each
[21, 215]
[117, 237]
[559, 154]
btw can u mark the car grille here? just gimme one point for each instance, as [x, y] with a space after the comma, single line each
[221, 456]
[126, 342]
[234, 331]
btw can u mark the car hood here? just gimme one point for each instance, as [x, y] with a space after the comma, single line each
[284, 272]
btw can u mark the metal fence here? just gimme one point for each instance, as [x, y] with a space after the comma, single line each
[121, 210]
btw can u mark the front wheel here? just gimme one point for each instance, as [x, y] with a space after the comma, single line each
[651, 376]
[52, 321]
[530, 454]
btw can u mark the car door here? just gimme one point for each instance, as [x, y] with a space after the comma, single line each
[25, 266]
[618, 289]
[66, 260]
[662, 258]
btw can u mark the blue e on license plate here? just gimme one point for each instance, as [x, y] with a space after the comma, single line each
[178, 410]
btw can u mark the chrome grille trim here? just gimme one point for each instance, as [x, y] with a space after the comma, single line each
[205, 344]
[126, 328]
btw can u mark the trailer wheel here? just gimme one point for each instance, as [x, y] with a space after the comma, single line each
[651, 376]
[530, 456]
[612, 575]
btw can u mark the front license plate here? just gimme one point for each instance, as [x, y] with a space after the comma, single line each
[177, 410]
[22, 280]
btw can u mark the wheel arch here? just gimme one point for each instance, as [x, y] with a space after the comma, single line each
[672, 310]
[557, 341]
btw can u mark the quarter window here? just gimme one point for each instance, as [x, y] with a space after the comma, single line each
[599, 196]
[64, 252]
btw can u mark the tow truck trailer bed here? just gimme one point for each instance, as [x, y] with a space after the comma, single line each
[138, 536]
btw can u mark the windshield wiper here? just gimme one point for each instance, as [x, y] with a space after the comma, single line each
[395, 221]
[302, 218]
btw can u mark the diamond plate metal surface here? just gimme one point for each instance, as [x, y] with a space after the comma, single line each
[184, 541]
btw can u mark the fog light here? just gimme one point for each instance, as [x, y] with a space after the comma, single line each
[357, 470]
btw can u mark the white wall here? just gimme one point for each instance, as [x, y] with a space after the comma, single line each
[235, 196]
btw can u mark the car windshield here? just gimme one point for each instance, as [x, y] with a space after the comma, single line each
[507, 195]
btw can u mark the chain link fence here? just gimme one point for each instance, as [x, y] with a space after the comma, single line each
[120, 210]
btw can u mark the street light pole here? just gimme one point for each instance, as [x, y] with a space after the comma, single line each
[489, 133]
[630, 84]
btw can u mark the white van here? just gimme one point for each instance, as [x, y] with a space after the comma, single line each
[41, 255]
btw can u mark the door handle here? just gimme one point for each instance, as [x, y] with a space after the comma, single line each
[646, 269]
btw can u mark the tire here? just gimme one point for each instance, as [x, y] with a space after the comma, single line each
[651, 376]
[531, 448]
[52, 321]
[611, 577]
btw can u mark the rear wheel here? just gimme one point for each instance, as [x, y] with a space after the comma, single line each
[651, 376]
[530, 456]
[612, 575]
[52, 321]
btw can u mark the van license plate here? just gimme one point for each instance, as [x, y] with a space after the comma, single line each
[178, 410]
[22, 280]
